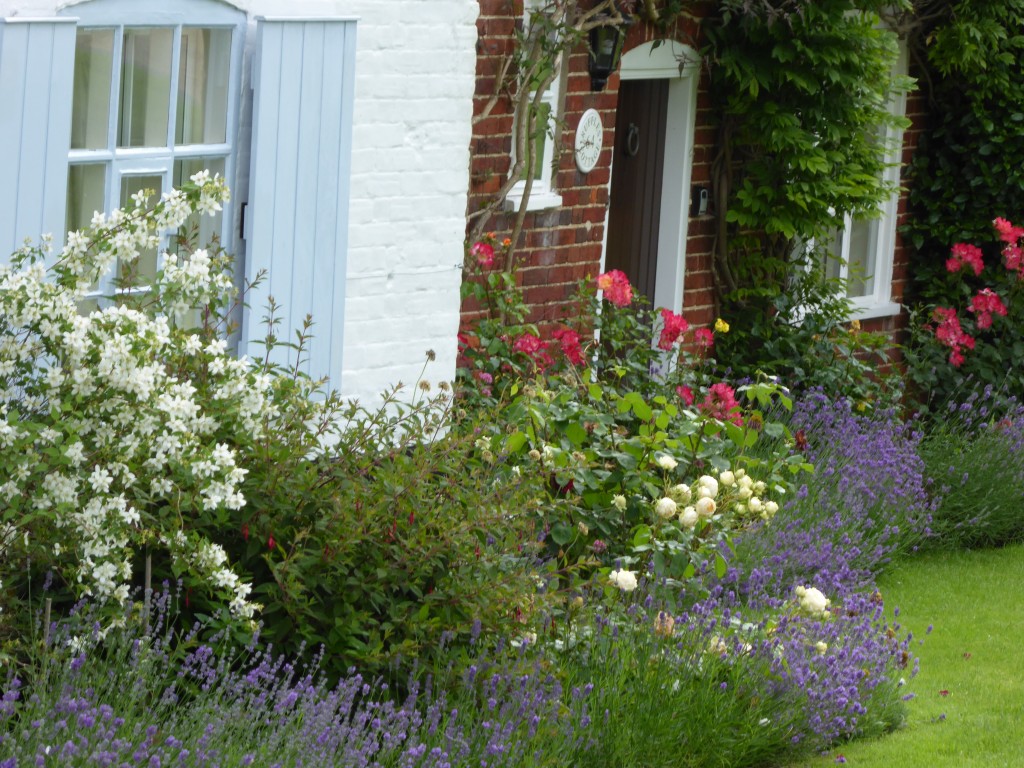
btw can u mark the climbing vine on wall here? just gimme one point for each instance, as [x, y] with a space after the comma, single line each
[968, 170]
[801, 90]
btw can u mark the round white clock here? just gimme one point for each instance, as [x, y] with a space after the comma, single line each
[589, 140]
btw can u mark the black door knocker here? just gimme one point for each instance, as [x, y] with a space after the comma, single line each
[632, 140]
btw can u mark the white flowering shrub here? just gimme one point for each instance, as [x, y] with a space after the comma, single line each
[115, 424]
[130, 435]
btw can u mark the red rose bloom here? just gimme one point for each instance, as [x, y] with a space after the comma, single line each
[965, 254]
[673, 326]
[484, 253]
[569, 341]
[704, 337]
[685, 394]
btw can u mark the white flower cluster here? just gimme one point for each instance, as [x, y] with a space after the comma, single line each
[702, 495]
[192, 281]
[209, 561]
[749, 494]
[732, 491]
[101, 428]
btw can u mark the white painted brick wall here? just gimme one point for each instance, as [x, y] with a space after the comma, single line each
[415, 77]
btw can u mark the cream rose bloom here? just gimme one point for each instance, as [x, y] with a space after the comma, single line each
[710, 484]
[688, 517]
[619, 502]
[624, 580]
[813, 600]
[667, 463]
[705, 508]
[665, 508]
[727, 478]
[681, 493]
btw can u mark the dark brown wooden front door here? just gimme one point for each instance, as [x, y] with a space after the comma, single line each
[634, 215]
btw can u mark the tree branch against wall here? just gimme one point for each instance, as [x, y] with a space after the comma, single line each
[550, 33]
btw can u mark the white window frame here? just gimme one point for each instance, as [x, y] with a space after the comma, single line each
[122, 162]
[879, 302]
[543, 194]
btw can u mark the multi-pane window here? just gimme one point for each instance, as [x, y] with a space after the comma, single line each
[110, 97]
[153, 104]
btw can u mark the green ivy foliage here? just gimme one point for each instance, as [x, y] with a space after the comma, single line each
[969, 166]
[802, 92]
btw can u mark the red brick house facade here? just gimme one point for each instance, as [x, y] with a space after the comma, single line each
[576, 230]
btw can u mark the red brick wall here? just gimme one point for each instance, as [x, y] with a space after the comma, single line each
[560, 246]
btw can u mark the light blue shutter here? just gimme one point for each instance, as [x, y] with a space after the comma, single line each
[297, 216]
[37, 60]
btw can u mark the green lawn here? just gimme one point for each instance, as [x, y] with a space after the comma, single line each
[969, 708]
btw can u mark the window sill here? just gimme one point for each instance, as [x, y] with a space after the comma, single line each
[540, 199]
[871, 311]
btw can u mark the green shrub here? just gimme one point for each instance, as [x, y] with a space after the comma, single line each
[809, 341]
[398, 538]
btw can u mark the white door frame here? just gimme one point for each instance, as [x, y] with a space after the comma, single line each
[680, 64]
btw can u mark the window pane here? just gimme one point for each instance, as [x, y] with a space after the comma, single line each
[143, 269]
[145, 88]
[200, 229]
[863, 237]
[86, 186]
[203, 86]
[94, 61]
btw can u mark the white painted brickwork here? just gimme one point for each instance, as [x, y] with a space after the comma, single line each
[415, 77]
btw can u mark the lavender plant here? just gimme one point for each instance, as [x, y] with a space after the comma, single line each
[867, 501]
[974, 455]
[125, 697]
[727, 683]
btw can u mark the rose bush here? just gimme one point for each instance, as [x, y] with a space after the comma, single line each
[965, 335]
[617, 441]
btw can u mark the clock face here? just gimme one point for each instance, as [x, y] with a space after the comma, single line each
[589, 139]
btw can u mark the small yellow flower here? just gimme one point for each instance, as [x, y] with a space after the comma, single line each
[721, 326]
[854, 326]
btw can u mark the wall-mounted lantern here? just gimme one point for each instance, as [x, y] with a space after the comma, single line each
[605, 47]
